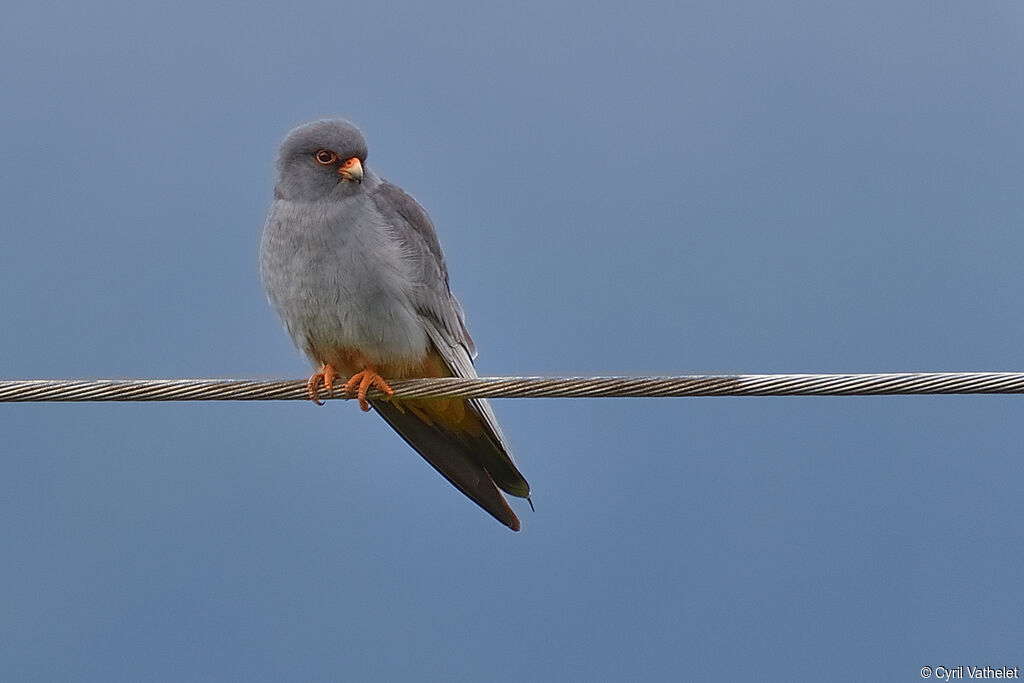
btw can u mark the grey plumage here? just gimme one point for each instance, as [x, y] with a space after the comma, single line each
[356, 273]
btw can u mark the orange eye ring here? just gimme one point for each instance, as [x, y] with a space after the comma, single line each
[324, 157]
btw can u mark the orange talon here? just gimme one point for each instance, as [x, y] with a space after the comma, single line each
[327, 375]
[311, 387]
[361, 382]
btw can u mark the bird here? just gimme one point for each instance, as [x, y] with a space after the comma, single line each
[354, 269]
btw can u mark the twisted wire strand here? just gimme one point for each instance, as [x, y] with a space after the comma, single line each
[865, 384]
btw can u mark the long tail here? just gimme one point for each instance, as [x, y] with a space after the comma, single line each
[458, 453]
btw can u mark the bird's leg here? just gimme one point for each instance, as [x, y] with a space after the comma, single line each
[327, 375]
[361, 382]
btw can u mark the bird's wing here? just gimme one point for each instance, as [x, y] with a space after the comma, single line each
[416, 234]
[459, 437]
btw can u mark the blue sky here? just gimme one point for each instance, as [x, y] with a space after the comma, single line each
[708, 187]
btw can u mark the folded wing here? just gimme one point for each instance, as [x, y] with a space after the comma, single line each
[460, 438]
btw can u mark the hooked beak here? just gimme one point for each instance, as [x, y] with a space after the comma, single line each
[351, 169]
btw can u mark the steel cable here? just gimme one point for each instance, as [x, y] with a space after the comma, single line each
[862, 384]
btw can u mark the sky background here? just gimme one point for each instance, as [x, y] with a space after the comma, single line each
[620, 188]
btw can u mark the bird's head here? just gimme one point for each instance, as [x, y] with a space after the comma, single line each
[321, 160]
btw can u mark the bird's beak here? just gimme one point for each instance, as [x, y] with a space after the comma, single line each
[352, 169]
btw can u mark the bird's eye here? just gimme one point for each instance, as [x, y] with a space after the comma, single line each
[325, 157]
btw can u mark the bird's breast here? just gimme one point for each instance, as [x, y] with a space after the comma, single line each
[340, 280]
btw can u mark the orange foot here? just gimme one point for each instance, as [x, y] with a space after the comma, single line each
[327, 375]
[361, 382]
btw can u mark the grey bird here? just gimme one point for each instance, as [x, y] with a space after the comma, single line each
[353, 267]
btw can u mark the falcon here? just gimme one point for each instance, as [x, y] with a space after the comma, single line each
[353, 267]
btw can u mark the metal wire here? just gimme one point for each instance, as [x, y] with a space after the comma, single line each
[868, 384]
